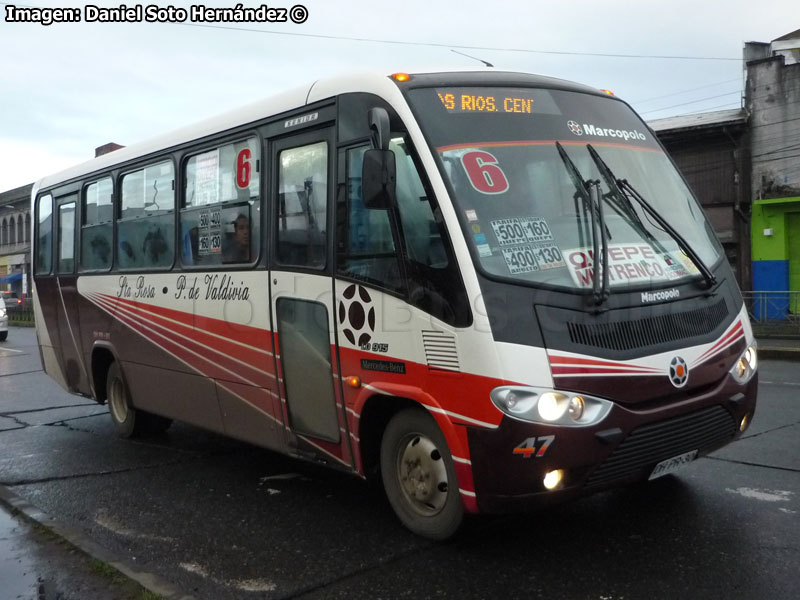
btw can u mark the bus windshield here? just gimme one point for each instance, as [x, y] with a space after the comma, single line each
[527, 210]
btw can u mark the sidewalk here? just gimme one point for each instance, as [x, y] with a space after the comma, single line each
[778, 348]
[36, 565]
[41, 559]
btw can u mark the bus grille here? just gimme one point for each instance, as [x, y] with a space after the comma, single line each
[440, 350]
[649, 331]
[650, 444]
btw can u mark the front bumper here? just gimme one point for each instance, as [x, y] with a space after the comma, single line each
[623, 448]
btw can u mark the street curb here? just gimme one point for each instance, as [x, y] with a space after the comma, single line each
[792, 354]
[149, 581]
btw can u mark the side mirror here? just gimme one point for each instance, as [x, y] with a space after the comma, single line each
[379, 128]
[378, 179]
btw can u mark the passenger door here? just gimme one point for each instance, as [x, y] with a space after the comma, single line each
[301, 296]
[67, 293]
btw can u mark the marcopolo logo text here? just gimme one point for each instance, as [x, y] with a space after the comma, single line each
[658, 296]
[589, 129]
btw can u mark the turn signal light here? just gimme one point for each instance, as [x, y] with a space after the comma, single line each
[401, 76]
[354, 381]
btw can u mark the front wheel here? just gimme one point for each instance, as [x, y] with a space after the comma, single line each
[419, 475]
[129, 421]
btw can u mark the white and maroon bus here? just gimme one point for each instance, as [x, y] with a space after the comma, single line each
[493, 290]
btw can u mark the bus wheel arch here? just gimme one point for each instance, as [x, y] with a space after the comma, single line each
[128, 420]
[376, 413]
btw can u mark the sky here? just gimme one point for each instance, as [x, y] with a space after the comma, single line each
[67, 88]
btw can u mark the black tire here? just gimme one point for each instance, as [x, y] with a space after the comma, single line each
[419, 475]
[129, 421]
[3, 336]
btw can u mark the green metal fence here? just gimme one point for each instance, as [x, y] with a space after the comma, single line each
[774, 312]
[20, 314]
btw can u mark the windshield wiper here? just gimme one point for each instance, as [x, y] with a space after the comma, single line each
[620, 202]
[622, 185]
[589, 191]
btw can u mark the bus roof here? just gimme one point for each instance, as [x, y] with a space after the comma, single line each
[370, 82]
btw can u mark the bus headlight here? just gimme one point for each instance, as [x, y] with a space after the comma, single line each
[576, 407]
[552, 407]
[744, 368]
[2, 312]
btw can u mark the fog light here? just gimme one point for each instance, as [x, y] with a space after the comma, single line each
[552, 479]
[576, 408]
[745, 423]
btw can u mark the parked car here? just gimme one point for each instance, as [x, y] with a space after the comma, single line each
[3, 320]
[11, 298]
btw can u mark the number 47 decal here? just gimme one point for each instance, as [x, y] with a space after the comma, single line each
[535, 446]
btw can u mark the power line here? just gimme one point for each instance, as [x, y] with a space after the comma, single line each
[691, 102]
[731, 104]
[460, 46]
[700, 112]
[684, 91]
[438, 44]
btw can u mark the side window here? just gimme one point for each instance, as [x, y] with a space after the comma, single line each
[220, 219]
[302, 205]
[44, 233]
[146, 224]
[97, 227]
[66, 238]
[428, 275]
[420, 230]
[366, 248]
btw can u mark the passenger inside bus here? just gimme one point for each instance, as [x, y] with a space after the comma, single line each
[237, 246]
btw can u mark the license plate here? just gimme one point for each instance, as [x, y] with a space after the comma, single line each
[672, 464]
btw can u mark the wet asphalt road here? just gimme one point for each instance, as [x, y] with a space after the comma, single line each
[219, 519]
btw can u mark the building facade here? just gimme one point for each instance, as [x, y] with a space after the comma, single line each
[772, 99]
[711, 151]
[744, 166]
[15, 240]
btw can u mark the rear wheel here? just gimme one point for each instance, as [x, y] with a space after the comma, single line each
[419, 475]
[3, 336]
[129, 421]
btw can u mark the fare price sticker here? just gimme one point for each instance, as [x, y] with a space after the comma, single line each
[548, 256]
[210, 233]
[521, 230]
[521, 259]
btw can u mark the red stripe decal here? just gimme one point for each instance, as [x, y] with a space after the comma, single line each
[228, 368]
[562, 361]
[245, 334]
[256, 363]
[563, 371]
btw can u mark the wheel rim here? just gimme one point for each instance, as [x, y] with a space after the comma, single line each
[117, 401]
[422, 474]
